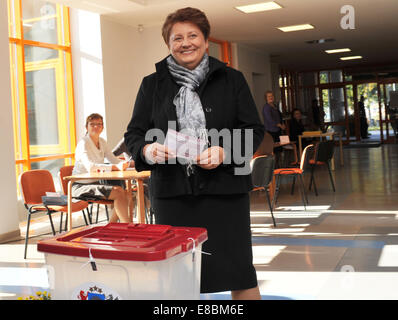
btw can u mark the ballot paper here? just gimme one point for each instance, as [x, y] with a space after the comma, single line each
[184, 146]
[284, 139]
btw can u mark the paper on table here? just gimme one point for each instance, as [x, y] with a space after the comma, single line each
[184, 146]
[284, 139]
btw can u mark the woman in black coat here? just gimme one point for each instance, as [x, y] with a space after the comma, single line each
[196, 94]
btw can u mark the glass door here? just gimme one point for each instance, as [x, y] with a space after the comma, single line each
[369, 111]
[333, 102]
[389, 107]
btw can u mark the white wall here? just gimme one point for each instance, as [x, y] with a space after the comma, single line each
[256, 67]
[128, 56]
[88, 80]
[109, 61]
[9, 226]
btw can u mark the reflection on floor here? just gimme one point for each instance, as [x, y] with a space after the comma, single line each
[344, 246]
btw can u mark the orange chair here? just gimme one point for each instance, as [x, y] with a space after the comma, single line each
[34, 185]
[67, 171]
[294, 172]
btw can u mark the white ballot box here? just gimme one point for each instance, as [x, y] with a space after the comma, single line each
[125, 261]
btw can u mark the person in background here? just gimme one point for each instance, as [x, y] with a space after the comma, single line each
[121, 150]
[199, 93]
[272, 117]
[363, 120]
[318, 116]
[296, 126]
[90, 154]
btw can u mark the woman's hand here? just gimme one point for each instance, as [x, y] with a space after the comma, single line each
[211, 158]
[281, 125]
[157, 153]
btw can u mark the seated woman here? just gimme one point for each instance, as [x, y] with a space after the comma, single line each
[296, 127]
[90, 154]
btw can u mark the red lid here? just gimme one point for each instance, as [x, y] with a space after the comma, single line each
[125, 241]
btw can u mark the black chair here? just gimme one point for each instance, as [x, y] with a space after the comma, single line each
[262, 170]
[323, 154]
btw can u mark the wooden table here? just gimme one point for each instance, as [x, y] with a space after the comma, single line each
[331, 135]
[127, 175]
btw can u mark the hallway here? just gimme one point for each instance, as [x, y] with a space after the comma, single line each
[354, 230]
[344, 246]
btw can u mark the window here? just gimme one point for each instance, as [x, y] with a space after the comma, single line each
[41, 81]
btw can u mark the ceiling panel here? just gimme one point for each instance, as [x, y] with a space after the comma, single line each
[374, 36]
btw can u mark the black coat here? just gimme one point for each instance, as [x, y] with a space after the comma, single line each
[227, 103]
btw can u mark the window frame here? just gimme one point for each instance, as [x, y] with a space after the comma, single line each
[26, 154]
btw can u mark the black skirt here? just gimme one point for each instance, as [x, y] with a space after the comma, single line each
[95, 191]
[227, 220]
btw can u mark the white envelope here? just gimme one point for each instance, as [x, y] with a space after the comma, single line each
[184, 146]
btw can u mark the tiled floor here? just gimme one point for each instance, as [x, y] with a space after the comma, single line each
[344, 246]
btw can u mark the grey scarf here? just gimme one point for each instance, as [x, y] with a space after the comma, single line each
[190, 115]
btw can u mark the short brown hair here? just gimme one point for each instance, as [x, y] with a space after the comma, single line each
[93, 116]
[188, 14]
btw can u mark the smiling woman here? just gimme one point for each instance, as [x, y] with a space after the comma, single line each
[196, 93]
[186, 34]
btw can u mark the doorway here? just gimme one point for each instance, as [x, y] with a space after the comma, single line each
[389, 109]
[369, 111]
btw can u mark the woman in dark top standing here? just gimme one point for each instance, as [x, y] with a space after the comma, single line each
[200, 93]
[272, 117]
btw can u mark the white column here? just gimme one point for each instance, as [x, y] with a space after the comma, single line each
[9, 226]
[88, 78]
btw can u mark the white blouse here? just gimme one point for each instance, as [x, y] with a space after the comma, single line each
[88, 158]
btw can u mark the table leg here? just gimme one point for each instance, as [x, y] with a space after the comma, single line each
[332, 160]
[130, 200]
[341, 150]
[140, 201]
[70, 205]
[300, 147]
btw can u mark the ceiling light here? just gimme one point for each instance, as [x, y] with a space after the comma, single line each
[95, 5]
[351, 58]
[298, 27]
[264, 6]
[338, 50]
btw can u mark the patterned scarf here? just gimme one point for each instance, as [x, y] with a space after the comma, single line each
[190, 115]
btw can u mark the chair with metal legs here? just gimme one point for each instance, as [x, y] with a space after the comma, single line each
[323, 154]
[295, 173]
[262, 169]
[67, 171]
[34, 185]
